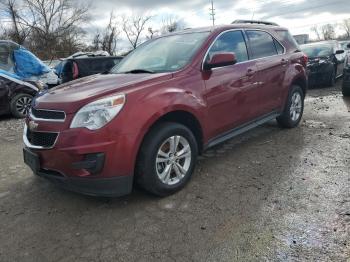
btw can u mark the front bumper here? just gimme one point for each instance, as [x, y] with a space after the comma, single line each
[346, 78]
[316, 78]
[92, 163]
[101, 187]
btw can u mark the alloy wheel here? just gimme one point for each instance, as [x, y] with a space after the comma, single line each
[173, 160]
[23, 105]
[296, 107]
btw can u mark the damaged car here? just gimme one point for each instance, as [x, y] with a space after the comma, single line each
[346, 74]
[326, 62]
[20, 72]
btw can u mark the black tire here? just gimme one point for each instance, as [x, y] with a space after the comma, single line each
[20, 99]
[332, 78]
[346, 90]
[146, 168]
[285, 120]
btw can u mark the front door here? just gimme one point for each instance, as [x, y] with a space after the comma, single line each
[230, 89]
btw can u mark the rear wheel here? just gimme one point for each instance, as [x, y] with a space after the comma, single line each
[167, 159]
[20, 105]
[294, 108]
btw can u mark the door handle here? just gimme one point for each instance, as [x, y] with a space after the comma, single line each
[250, 72]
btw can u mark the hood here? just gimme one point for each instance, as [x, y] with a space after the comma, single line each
[70, 97]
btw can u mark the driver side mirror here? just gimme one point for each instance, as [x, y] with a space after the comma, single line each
[348, 46]
[220, 60]
[339, 52]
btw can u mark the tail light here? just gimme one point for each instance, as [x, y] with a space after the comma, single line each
[304, 59]
[75, 70]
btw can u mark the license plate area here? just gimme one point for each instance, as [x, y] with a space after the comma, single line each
[31, 159]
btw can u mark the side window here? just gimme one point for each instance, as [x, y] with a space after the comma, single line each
[284, 35]
[261, 44]
[230, 42]
[279, 47]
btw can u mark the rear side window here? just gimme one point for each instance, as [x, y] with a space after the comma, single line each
[285, 36]
[279, 47]
[233, 42]
[261, 44]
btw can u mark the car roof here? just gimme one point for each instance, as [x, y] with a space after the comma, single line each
[220, 28]
[96, 57]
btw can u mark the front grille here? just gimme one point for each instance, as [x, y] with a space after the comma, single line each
[48, 114]
[42, 139]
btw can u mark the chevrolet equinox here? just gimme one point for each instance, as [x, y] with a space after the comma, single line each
[165, 103]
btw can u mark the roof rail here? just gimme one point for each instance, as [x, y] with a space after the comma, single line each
[254, 22]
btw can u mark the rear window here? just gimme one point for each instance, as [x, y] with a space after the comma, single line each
[261, 44]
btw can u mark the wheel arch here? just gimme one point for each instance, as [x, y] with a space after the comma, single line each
[183, 117]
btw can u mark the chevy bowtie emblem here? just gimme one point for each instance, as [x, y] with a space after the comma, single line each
[33, 126]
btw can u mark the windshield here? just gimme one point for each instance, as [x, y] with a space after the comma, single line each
[320, 50]
[165, 54]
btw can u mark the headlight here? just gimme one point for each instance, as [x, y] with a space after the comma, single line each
[97, 114]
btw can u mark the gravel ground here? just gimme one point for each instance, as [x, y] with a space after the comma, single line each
[268, 195]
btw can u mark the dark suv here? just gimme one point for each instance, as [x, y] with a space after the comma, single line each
[78, 67]
[165, 103]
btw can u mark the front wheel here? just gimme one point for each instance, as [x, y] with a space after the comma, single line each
[20, 105]
[293, 110]
[167, 159]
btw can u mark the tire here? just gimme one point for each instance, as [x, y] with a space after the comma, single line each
[20, 105]
[332, 78]
[288, 119]
[346, 90]
[149, 172]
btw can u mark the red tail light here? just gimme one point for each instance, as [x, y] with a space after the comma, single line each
[304, 60]
[75, 70]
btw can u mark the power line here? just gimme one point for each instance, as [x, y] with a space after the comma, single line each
[212, 12]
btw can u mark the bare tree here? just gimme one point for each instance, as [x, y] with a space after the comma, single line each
[171, 24]
[133, 28]
[317, 32]
[111, 35]
[346, 27]
[328, 32]
[16, 30]
[46, 26]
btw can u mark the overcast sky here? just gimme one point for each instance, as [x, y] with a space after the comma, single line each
[297, 15]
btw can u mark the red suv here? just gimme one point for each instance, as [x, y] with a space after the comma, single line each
[165, 103]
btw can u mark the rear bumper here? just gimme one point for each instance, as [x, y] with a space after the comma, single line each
[102, 187]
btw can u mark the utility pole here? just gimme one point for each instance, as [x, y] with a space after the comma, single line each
[212, 12]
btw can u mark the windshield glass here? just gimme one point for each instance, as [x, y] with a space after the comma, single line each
[165, 54]
[319, 50]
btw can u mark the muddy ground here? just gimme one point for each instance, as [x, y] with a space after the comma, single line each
[268, 195]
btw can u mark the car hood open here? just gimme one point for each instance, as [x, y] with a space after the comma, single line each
[70, 97]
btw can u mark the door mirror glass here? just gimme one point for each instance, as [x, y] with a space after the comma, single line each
[339, 52]
[221, 59]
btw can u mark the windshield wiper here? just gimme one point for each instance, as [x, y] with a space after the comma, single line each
[139, 71]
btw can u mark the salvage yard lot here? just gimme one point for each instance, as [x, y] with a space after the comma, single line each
[268, 195]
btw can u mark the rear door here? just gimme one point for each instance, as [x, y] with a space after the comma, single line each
[272, 64]
[230, 89]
